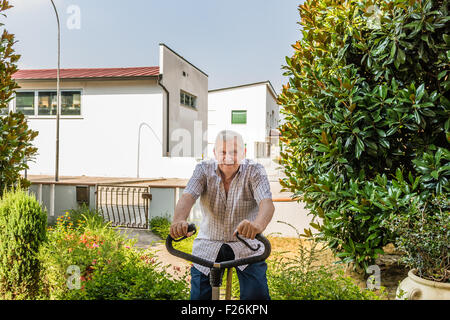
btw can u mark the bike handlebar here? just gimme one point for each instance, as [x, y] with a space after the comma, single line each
[224, 264]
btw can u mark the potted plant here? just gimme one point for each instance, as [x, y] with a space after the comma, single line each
[423, 235]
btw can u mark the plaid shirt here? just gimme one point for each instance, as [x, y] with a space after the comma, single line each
[222, 213]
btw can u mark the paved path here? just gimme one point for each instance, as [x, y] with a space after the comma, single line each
[148, 240]
[145, 238]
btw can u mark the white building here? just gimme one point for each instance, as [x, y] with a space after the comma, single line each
[249, 109]
[118, 122]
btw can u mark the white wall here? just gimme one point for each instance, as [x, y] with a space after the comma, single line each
[104, 140]
[185, 122]
[255, 99]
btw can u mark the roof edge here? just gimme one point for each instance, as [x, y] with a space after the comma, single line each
[16, 76]
[267, 82]
[89, 79]
[181, 57]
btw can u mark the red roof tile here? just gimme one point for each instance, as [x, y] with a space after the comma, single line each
[87, 73]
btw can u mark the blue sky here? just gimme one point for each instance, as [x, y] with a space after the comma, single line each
[234, 42]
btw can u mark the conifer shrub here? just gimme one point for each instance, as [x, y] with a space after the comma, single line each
[22, 231]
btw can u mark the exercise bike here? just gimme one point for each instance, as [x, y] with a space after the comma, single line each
[217, 268]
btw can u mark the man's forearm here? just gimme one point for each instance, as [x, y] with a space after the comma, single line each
[183, 208]
[265, 214]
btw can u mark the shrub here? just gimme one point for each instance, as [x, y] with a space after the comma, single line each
[133, 276]
[79, 246]
[22, 231]
[304, 277]
[82, 214]
[367, 95]
[109, 266]
[424, 237]
[160, 226]
[299, 279]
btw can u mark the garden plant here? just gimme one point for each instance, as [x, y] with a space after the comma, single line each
[108, 265]
[22, 232]
[367, 113]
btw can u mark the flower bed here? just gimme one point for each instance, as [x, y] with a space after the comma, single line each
[86, 259]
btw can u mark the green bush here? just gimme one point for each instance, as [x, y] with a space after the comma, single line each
[83, 213]
[424, 237]
[22, 231]
[132, 276]
[367, 97]
[160, 226]
[109, 266]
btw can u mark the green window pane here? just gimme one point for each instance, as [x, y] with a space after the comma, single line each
[239, 117]
[25, 102]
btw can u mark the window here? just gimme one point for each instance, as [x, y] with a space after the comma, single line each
[47, 103]
[25, 102]
[71, 103]
[239, 116]
[187, 99]
[44, 103]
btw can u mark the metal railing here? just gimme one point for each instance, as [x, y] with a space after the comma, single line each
[124, 206]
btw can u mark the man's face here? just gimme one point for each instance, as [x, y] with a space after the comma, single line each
[229, 155]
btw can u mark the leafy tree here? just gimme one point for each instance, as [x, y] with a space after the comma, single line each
[367, 101]
[15, 136]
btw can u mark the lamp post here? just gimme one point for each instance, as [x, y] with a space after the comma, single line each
[58, 94]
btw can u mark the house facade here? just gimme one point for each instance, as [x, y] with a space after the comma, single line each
[249, 109]
[118, 122]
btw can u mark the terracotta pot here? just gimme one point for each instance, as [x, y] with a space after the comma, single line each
[416, 288]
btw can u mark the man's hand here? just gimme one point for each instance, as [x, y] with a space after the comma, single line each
[248, 229]
[179, 225]
[179, 229]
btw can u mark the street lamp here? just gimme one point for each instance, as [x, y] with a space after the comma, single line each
[58, 95]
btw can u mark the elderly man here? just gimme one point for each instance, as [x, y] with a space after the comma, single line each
[235, 197]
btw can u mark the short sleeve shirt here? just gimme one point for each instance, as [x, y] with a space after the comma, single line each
[222, 213]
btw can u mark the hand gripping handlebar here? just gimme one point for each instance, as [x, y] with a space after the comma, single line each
[224, 264]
